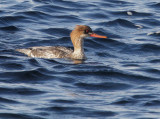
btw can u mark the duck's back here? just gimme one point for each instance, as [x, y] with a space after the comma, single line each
[47, 52]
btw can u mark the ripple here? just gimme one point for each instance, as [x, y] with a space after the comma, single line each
[57, 31]
[63, 101]
[100, 54]
[95, 15]
[103, 86]
[154, 5]
[20, 91]
[121, 22]
[152, 103]
[132, 13]
[111, 43]
[155, 34]
[18, 116]
[126, 101]
[2, 58]
[10, 28]
[146, 96]
[155, 61]
[80, 111]
[66, 18]
[26, 76]
[5, 100]
[117, 74]
[120, 2]
[149, 22]
[74, 5]
[11, 19]
[35, 14]
[29, 91]
[50, 8]
[10, 66]
[42, 1]
[154, 71]
[150, 47]
[33, 62]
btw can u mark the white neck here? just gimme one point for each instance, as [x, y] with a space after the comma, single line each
[78, 49]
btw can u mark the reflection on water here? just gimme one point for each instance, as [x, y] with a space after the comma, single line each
[75, 61]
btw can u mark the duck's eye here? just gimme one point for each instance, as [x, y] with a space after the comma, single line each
[86, 31]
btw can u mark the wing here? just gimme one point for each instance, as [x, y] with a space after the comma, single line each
[47, 52]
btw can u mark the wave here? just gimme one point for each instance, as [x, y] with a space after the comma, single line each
[12, 19]
[35, 15]
[149, 22]
[78, 111]
[5, 100]
[121, 22]
[103, 86]
[57, 31]
[155, 61]
[18, 91]
[150, 47]
[18, 116]
[131, 13]
[25, 76]
[152, 103]
[9, 28]
[154, 5]
[51, 9]
[12, 66]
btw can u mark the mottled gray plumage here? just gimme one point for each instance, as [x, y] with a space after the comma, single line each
[47, 52]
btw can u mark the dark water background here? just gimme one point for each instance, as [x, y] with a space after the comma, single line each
[119, 80]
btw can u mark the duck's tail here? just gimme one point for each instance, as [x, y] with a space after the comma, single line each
[25, 51]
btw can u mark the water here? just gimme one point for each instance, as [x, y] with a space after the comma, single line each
[119, 80]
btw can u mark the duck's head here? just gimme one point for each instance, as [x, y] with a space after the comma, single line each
[77, 36]
[82, 31]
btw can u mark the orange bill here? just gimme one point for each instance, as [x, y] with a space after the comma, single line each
[98, 36]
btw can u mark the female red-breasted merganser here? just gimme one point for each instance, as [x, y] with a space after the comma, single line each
[77, 36]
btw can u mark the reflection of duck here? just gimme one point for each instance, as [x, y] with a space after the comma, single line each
[77, 36]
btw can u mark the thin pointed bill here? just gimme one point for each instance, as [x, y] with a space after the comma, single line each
[98, 36]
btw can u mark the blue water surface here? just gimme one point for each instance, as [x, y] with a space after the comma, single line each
[119, 80]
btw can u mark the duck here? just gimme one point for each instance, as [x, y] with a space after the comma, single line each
[77, 37]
